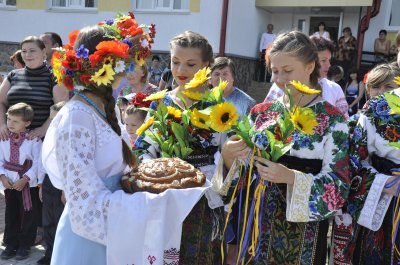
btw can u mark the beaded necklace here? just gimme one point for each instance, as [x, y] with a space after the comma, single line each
[88, 100]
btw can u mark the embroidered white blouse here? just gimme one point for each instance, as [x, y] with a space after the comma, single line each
[80, 152]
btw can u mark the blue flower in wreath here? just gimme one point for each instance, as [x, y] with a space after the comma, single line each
[357, 134]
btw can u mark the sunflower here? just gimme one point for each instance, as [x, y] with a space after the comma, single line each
[199, 78]
[108, 60]
[139, 61]
[223, 116]
[174, 112]
[156, 96]
[199, 119]
[193, 95]
[104, 76]
[145, 126]
[304, 120]
[304, 88]
[397, 80]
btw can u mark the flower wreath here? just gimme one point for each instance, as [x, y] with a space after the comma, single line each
[128, 46]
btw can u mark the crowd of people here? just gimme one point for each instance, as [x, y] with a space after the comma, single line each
[62, 154]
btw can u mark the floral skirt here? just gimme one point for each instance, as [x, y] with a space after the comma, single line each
[201, 235]
[288, 243]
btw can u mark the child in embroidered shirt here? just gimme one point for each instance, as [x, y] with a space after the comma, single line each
[19, 159]
[133, 118]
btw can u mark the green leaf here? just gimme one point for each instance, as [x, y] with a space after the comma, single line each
[394, 102]
[186, 117]
[186, 151]
[206, 111]
[393, 144]
[177, 150]
[179, 133]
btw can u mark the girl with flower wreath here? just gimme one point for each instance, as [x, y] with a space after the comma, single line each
[202, 229]
[310, 183]
[85, 155]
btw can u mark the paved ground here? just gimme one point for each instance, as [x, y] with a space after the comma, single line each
[36, 252]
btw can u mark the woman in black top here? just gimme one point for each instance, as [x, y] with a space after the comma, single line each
[35, 85]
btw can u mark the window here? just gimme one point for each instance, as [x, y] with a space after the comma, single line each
[74, 3]
[8, 3]
[162, 5]
[393, 18]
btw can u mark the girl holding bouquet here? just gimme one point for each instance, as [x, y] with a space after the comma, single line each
[310, 182]
[202, 229]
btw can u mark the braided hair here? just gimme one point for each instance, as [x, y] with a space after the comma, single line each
[90, 37]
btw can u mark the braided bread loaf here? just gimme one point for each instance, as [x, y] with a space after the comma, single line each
[158, 175]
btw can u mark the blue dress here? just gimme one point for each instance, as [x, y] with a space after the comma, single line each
[79, 248]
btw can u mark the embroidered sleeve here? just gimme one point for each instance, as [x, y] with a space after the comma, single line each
[33, 172]
[320, 196]
[86, 194]
[367, 201]
[298, 195]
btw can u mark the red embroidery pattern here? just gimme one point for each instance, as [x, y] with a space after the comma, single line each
[171, 257]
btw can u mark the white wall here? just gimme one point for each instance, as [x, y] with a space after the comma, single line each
[245, 23]
[16, 25]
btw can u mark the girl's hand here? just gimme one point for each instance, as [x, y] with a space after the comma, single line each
[274, 172]
[233, 148]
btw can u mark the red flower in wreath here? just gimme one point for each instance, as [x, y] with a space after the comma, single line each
[68, 82]
[112, 47]
[85, 78]
[129, 27]
[138, 100]
[71, 62]
[72, 38]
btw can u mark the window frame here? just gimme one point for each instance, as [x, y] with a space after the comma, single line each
[79, 9]
[169, 10]
[387, 18]
[4, 6]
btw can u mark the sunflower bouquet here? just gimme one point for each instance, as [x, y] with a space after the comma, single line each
[178, 132]
[274, 138]
[270, 137]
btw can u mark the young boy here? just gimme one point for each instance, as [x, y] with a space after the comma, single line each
[53, 204]
[19, 160]
[134, 118]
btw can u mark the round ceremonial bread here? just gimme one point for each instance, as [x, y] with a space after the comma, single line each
[158, 175]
